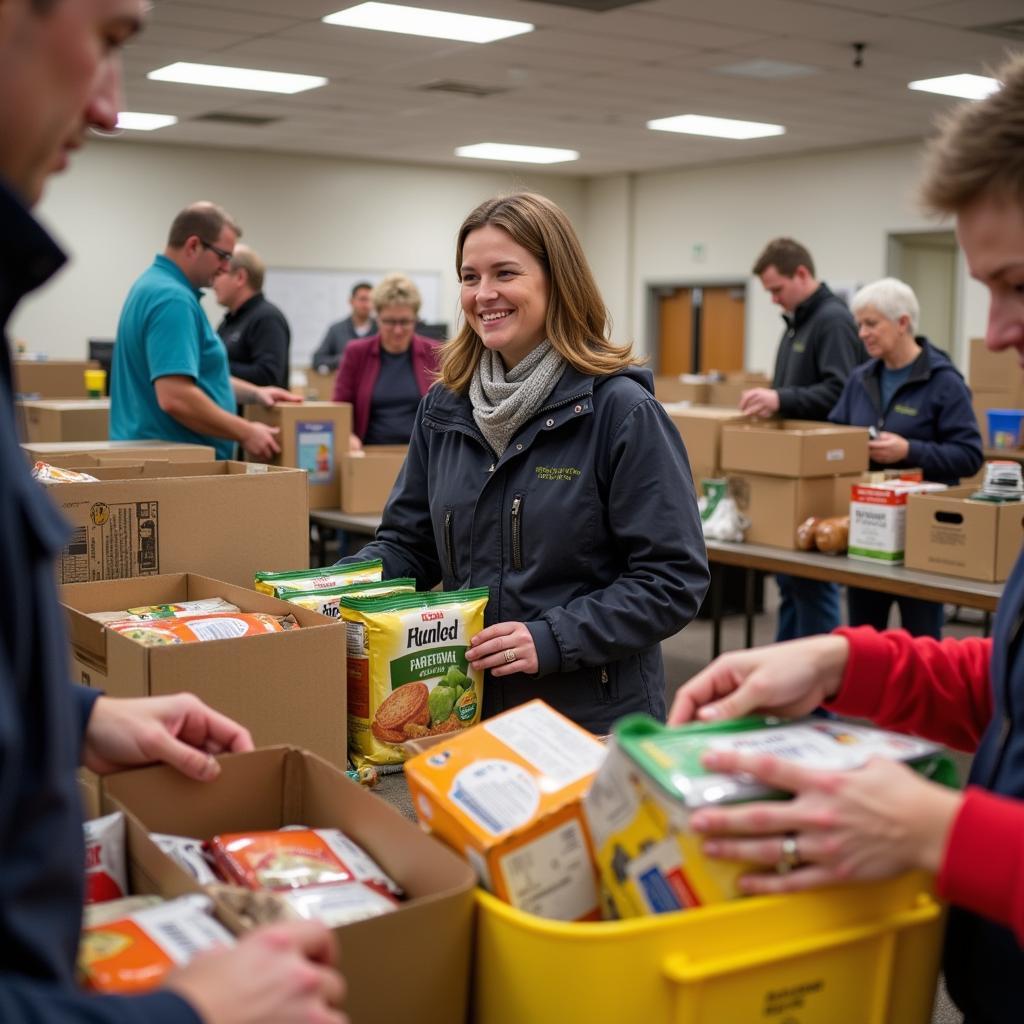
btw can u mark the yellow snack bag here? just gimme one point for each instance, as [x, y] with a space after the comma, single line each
[280, 584]
[328, 602]
[408, 676]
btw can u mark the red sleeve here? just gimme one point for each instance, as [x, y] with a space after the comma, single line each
[348, 374]
[936, 689]
[983, 867]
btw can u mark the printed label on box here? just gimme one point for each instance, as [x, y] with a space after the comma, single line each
[498, 795]
[115, 542]
[314, 444]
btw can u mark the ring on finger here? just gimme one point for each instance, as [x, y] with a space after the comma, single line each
[510, 655]
[790, 855]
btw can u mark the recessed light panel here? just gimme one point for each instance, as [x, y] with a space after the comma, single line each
[965, 87]
[718, 127]
[134, 120]
[235, 78]
[517, 154]
[420, 21]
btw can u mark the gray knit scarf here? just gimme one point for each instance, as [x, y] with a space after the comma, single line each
[504, 400]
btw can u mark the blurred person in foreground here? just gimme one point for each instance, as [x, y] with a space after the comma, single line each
[884, 818]
[60, 74]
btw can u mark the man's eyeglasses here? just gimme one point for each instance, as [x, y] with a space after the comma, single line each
[395, 323]
[220, 253]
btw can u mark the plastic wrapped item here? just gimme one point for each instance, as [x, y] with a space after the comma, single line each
[279, 584]
[106, 877]
[135, 953]
[49, 475]
[188, 854]
[201, 628]
[150, 612]
[805, 534]
[113, 910]
[328, 602]
[833, 534]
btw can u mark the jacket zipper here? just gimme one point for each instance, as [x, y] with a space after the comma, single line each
[517, 533]
[449, 541]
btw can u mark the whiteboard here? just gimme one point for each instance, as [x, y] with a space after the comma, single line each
[312, 300]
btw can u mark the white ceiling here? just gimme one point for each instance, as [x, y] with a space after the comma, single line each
[584, 80]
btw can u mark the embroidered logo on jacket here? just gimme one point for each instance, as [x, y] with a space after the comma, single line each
[904, 410]
[565, 474]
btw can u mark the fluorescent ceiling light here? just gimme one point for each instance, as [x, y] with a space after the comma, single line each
[139, 122]
[418, 21]
[235, 78]
[966, 87]
[767, 69]
[517, 154]
[719, 127]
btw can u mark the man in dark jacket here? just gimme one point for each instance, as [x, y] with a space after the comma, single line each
[817, 352]
[360, 324]
[254, 331]
[60, 74]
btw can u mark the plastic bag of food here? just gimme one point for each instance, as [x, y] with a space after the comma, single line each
[49, 475]
[296, 858]
[408, 676]
[106, 877]
[278, 584]
[833, 534]
[188, 854]
[197, 628]
[805, 534]
[328, 602]
[147, 613]
[135, 954]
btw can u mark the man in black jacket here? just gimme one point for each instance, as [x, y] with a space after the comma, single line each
[254, 331]
[817, 352]
[60, 73]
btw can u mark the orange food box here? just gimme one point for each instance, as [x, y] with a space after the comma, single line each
[506, 794]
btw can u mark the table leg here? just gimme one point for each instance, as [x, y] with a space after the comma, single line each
[715, 593]
[749, 580]
[986, 624]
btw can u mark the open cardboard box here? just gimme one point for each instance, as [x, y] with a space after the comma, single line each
[283, 687]
[410, 965]
[81, 454]
[367, 478]
[701, 430]
[794, 448]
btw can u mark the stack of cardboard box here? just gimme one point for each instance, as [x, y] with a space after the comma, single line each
[996, 383]
[51, 378]
[700, 427]
[65, 419]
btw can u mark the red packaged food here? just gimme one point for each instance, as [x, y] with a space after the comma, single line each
[106, 877]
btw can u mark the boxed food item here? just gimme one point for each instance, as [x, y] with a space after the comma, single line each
[408, 676]
[224, 519]
[283, 687]
[777, 505]
[639, 806]
[83, 454]
[313, 437]
[51, 378]
[878, 518]
[794, 448]
[701, 430]
[952, 534]
[367, 477]
[506, 794]
[427, 938]
[65, 419]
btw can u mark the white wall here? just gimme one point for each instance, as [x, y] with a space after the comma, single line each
[113, 210]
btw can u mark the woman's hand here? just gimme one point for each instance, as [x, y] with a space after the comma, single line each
[505, 648]
[869, 823]
[888, 448]
[788, 679]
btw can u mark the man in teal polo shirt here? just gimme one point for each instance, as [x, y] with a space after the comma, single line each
[170, 379]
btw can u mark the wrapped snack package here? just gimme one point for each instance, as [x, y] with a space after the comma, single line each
[297, 858]
[188, 854]
[278, 584]
[148, 613]
[106, 877]
[328, 602]
[833, 534]
[113, 910]
[333, 905]
[135, 953]
[196, 628]
[49, 475]
[805, 534]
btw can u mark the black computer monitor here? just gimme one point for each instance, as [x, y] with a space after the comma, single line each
[438, 331]
[101, 350]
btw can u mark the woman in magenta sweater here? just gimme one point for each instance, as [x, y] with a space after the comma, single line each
[385, 376]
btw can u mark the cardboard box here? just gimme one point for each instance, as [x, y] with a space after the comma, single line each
[284, 687]
[313, 437]
[701, 430]
[727, 392]
[950, 534]
[687, 387]
[65, 419]
[409, 965]
[994, 371]
[225, 519]
[878, 519]
[507, 795]
[51, 378]
[794, 448]
[73, 454]
[320, 386]
[367, 479]
[777, 505]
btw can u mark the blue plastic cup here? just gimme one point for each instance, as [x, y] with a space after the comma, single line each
[1004, 427]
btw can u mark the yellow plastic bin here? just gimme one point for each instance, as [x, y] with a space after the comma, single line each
[864, 954]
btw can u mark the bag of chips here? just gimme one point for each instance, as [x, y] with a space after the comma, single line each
[278, 584]
[49, 475]
[106, 877]
[408, 676]
[147, 613]
[195, 628]
[135, 953]
[327, 602]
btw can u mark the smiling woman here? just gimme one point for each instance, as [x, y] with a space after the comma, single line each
[542, 467]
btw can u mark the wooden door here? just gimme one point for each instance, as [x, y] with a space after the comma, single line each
[675, 332]
[722, 329]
